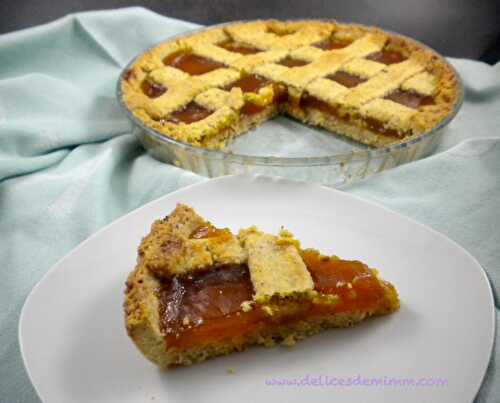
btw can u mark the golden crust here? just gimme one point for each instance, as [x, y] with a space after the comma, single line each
[273, 34]
[276, 267]
[326, 90]
[165, 252]
[217, 139]
[142, 319]
[285, 335]
[423, 73]
[212, 36]
[380, 85]
[331, 61]
[363, 68]
[354, 131]
[215, 99]
[170, 250]
[395, 116]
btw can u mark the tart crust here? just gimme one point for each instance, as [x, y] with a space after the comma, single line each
[416, 71]
[282, 285]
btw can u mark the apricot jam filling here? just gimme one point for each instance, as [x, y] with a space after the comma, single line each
[191, 113]
[330, 44]
[309, 102]
[386, 57]
[239, 48]
[152, 89]
[346, 79]
[410, 99]
[191, 63]
[206, 307]
[253, 83]
[290, 62]
[129, 75]
[250, 109]
[355, 283]
[250, 83]
[378, 127]
[208, 231]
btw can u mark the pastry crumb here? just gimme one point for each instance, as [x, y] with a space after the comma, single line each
[289, 341]
[246, 306]
[268, 310]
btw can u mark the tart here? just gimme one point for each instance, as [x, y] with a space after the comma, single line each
[360, 82]
[199, 291]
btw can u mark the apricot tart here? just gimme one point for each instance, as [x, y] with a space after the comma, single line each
[199, 291]
[208, 87]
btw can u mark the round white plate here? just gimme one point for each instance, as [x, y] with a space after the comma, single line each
[75, 347]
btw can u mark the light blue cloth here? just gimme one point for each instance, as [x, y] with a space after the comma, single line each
[69, 165]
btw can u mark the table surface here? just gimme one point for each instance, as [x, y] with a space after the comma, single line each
[457, 28]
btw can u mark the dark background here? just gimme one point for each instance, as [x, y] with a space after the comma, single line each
[458, 28]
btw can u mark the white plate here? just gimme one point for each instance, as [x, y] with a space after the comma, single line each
[75, 347]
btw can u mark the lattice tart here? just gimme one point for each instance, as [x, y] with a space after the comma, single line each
[206, 88]
[198, 291]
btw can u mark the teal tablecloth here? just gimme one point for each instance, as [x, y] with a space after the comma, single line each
[69, 165]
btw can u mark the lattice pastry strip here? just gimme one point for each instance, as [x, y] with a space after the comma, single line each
[236, 60]
[216, 53]
[182, 92]
[331, 61]
[363, 68]
[217, 78]
[215, 98]
[249, 62]
[390, 114]
[276, 267]
[257, 34]
[168, 76]
[307, 53]
[153, 59]
[212, 36]
[380, 85]
[272, 71]
[422, 83]
[196, 132]
[326, 90]
[177, 97]
[303, 37]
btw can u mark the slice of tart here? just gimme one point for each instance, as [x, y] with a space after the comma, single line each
[198, 291]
